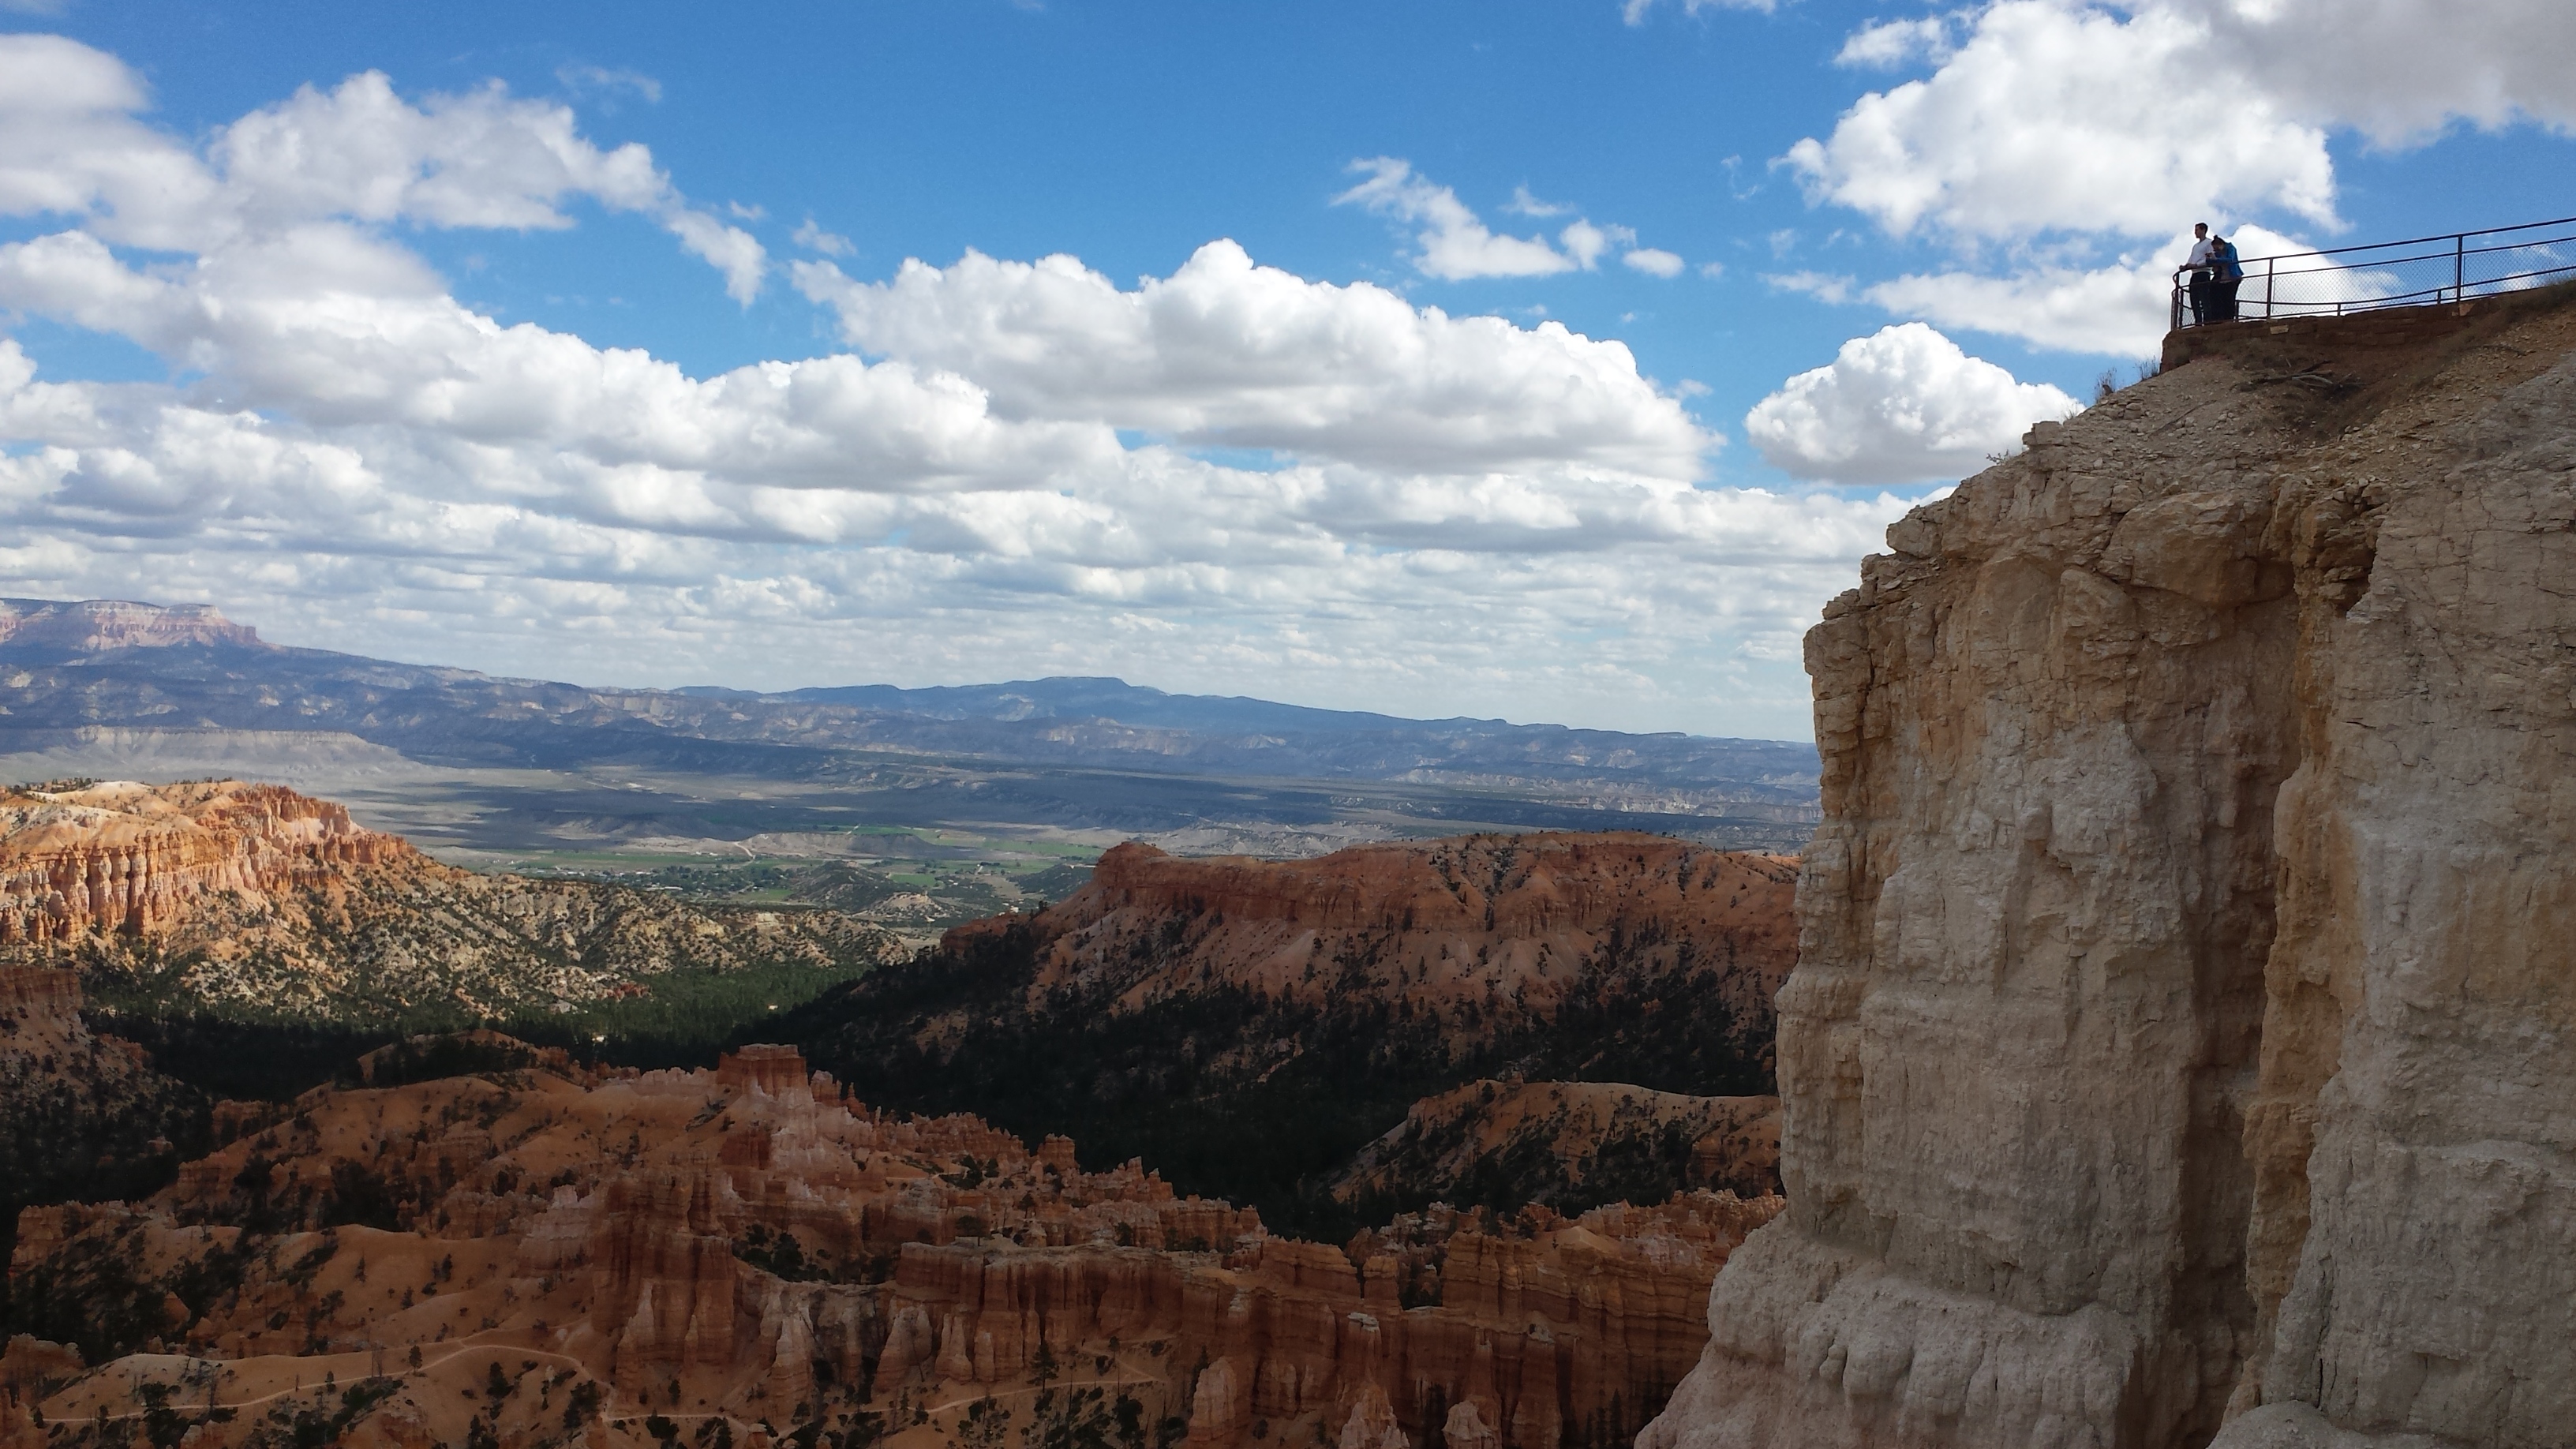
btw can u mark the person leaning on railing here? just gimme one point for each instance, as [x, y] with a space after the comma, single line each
[2204, 274]
[2215, 275]
[2228, 274]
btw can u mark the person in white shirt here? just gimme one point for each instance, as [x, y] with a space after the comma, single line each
[2198, 264]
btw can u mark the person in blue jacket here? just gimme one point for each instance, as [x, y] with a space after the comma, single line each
[2228, 272]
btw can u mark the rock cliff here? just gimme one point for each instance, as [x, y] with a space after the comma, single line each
[1249, 1024]
[2181, 1046]
[136, 859]
[748, 1248]
[252, 899]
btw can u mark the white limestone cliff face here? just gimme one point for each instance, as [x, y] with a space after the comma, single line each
[2183, 1043]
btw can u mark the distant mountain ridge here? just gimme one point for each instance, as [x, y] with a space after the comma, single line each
[102, 664]
[1087, 697]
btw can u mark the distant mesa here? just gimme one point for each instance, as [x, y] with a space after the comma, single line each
[100, 624]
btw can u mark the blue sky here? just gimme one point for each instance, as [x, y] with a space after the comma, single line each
[1848, 250]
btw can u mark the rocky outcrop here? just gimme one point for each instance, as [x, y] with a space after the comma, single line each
[231, 897]
[1254, 1023]
[2179, 1049]
[1497, 917]
[748, 1245]
[93, 625]
[137, 859]
[1568, 1145]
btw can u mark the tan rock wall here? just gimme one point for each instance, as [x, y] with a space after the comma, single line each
[2180, 1024]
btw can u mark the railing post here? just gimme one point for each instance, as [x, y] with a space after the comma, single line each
[2268, 264]
[2459, 267]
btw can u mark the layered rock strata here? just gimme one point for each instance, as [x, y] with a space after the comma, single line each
[2181, 1047]
[135, 859]
[749, 1247]
[227, 896]
[98, 624]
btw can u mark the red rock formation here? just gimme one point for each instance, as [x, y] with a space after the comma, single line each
[1443, 923]
[279, 901]
[748, 1243]
[38, 994]
[122, 857]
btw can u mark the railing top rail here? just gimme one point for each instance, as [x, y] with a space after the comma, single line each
[2458, 236]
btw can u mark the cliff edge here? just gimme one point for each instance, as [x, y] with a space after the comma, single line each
[2180, 1048]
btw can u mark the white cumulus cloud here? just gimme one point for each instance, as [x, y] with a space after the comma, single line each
[1224, 352]
[1885, 44]
[2130, 119]
[2400, 71]
[815, 239]
[2053, 117]
[71, 144]
[1456, 244]
[2056, 143]
[1901, 406]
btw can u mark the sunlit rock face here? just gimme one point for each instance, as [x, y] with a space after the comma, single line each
[132, 858]
[96, 625]
[2180, 1048]
[227, 895]
[1498, 920]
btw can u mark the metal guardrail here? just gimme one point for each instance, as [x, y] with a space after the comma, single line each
[2420, 272]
